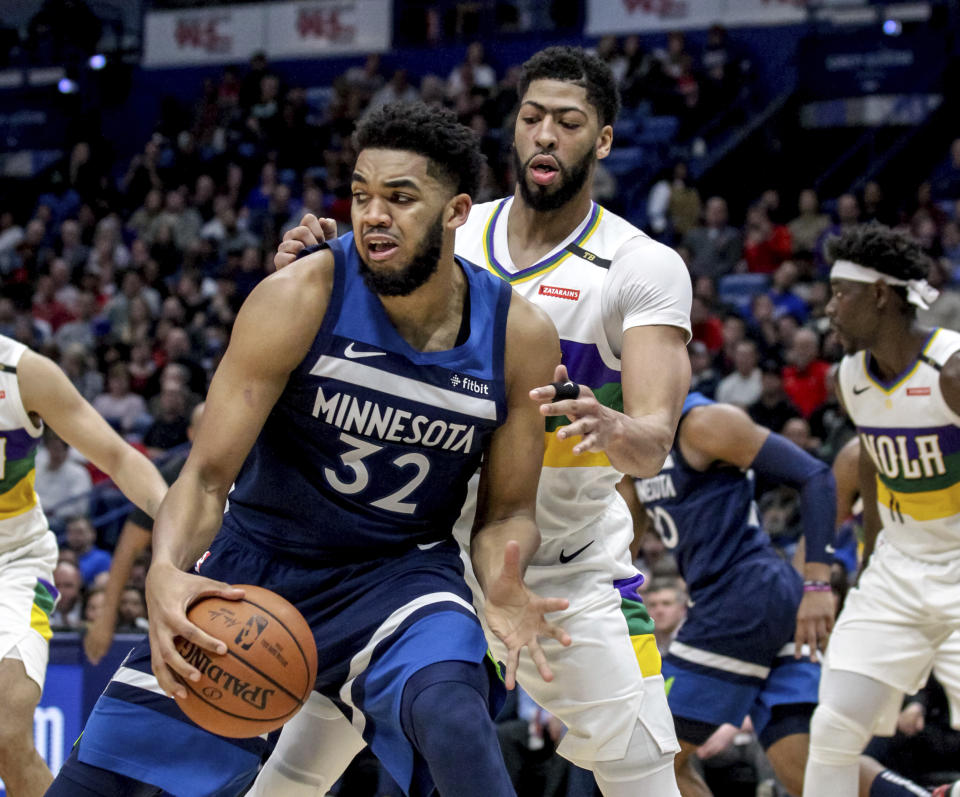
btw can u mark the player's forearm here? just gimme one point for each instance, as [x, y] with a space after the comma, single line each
[640, 445]
[187, 522]
[487, 546]
[139, 480]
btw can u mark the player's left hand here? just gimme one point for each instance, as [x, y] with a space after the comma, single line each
[814, 623]
[516, 615]
[597, 424]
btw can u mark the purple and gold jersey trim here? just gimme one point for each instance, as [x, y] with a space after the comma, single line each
[596, 213]
[18, 450]
[44, 600]
[890, 386]
[639, 625]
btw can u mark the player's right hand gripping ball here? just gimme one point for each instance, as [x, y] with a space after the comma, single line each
[265, 676]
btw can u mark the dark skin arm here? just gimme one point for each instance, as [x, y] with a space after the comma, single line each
[505, 533]
[722, 433]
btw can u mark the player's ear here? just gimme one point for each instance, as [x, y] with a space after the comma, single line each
[604, 141]
[457, 210]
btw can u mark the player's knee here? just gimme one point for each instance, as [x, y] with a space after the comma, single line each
[643, 758]
[445, 701]
[16, 746]
[836, 740]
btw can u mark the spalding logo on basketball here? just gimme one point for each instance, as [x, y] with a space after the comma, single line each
[266, 674]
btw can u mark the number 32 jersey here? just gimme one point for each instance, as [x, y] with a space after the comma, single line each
[370, 447]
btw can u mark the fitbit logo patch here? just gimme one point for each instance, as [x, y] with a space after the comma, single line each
[559, 293]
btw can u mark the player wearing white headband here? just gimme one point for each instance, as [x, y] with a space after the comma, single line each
[900, 384]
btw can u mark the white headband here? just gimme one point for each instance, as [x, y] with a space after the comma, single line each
[919, 292]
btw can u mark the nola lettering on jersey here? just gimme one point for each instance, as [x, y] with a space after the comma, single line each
[655, 488]
[371, 419]
[890, 455]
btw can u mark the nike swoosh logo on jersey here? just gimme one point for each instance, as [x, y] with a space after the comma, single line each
[352, 354]
[575, 554]
[858, 390]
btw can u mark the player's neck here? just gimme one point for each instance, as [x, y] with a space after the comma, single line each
[531, 233]
[429, 318]
[897, 347]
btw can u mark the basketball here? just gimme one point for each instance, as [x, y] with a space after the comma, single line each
[267, 672]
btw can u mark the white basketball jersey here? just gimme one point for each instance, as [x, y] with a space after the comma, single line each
[913, 438]
[21, 518]
[567, 284]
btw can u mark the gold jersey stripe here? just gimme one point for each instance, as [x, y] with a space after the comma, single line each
[648, 657]
[40, 622]
[931, 505]
[559, 453]
[20, 498]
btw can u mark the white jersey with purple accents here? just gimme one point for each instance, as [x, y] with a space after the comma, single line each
[604, 278]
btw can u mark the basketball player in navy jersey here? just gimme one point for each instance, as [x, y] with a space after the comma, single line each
[752, 618]
[362, 387]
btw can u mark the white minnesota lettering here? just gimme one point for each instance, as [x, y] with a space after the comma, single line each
[371, 419]
[655, 488]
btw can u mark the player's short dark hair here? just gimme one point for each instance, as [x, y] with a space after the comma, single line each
[876, 246]
[452, 149]
[575, 65]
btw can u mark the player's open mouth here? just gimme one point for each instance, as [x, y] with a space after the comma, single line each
[380, 248]
[543, 170]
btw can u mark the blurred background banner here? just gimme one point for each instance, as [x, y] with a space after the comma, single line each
[648, 16]
[229, 33]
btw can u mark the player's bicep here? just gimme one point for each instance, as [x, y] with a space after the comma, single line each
[719, 432]
[656, 372]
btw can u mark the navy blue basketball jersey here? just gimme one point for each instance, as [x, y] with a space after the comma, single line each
[707, 519]
[369, 448]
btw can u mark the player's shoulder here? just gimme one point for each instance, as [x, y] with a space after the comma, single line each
[634, 246]
[302, 282]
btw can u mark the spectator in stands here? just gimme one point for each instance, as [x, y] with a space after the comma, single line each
[81, 537]
[123, 409]
[132, 611]
[79, 368]
[666, 601]
[809, 224]
[715, 247]
[684, 206]
[742, 387]
[143, 174]
[762, 325]
[93, 605]
[773, 409]
[875, 205]
[946, 179]
[473, 72]
[184, 221]
[797, 431]
[848, 215]
[169, 428]
[766, 245]
[950, 244]
[46, 307]
[734, 331]
[62, 484]
[398, 89]
[249, 87]
[703, 378]
[804, 379]
[11, 233]
[141, 222]
[782, 293]
[829, 422]
[69, 583]
[71, 247]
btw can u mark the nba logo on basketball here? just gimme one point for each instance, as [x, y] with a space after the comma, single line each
[251, 631]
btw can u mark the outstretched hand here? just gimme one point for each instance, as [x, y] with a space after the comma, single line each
[516, 615]
[310, 232]
[170, 592]
[814, 623]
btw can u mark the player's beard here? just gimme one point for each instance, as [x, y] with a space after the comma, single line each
[540, 197]
[421, 267]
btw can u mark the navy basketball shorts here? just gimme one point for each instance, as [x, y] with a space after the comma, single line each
[375, 623]
[734, 654]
